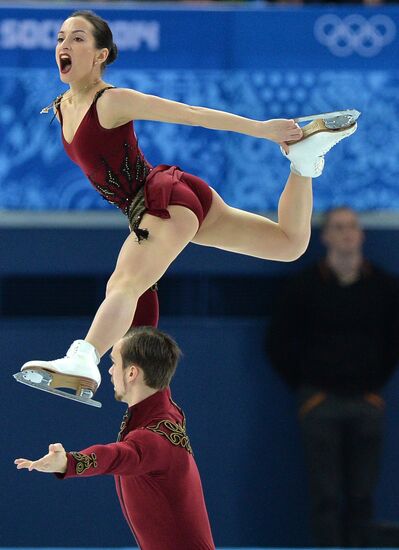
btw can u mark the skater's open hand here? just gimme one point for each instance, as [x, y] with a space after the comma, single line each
[53, 462]
[281, 130]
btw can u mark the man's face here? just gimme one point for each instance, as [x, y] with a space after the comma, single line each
[118, 373]
[343, 233]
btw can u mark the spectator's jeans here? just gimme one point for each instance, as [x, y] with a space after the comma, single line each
[342, 439]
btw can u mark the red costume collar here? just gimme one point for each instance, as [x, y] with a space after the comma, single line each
[157, 405]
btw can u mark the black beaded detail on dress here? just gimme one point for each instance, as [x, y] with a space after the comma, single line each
[135, 214]
[142, 169]
[110, 194]
[119, 194]
[126, 169]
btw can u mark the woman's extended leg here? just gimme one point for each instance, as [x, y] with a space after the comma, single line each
[239, 231]
[139, 266]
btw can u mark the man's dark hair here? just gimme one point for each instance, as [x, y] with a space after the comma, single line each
[155, 352]
[101, 32]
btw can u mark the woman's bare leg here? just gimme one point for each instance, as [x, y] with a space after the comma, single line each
[139, 266]
[239, 231]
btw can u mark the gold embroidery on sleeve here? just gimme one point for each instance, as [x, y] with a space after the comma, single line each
[174, 432]
[84, 462]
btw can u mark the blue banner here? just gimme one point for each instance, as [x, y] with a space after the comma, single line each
[261, 63]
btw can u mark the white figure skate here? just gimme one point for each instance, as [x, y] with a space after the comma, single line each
[77, 370]
[325, 131]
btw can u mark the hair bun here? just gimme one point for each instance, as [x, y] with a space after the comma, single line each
[113, 54]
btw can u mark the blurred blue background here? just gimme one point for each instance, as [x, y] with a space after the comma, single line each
[258, 62]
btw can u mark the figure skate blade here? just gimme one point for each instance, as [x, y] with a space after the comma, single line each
[334, 120]
[41, 380]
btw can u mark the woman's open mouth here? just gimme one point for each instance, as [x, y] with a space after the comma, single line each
[65, 63]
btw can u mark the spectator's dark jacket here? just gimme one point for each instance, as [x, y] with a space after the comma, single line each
[334, 337]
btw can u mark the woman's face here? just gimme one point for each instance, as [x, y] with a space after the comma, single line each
[76, 53]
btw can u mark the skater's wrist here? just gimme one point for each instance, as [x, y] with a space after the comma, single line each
[279, 130]
[62, 467]
[65, 464]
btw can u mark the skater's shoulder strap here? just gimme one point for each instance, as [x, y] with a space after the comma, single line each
[57, 108]
[100, 93]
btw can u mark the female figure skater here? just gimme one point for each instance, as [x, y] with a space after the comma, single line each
[166, 207]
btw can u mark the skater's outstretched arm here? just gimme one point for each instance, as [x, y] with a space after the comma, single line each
[138, 454]
[119, 106]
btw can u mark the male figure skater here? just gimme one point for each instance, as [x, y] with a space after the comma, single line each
[156, 477]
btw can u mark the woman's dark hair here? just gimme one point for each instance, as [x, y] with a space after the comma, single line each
[155, 352]
[102, 34]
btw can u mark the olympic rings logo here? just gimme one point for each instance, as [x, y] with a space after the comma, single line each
[355, 34]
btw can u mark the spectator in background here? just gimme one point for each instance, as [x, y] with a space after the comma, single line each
[334, 339]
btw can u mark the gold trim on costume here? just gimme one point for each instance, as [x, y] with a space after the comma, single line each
[125, 420]
[174, 432]
[84, 462]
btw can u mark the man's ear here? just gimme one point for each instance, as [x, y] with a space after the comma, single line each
[133, 373]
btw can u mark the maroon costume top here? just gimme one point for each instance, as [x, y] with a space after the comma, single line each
[116, 167]
[156, 477]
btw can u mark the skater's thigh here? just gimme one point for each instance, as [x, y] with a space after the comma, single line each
[239, 231]
[146, 261]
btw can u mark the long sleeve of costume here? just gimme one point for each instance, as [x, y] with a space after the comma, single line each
[284, 342]
[138, 454]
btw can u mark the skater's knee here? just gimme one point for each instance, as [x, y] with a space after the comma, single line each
[127, 283]
[295, 250]
[120, 283]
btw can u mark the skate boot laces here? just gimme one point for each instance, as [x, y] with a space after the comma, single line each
[73, 348]
[85, 348]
